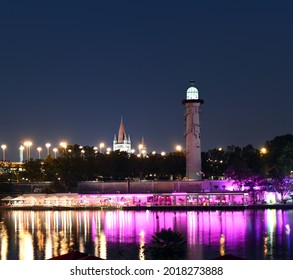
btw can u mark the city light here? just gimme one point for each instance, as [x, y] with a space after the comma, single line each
[263, 151]
[55, 152]
[28, 145]
[63, 145]
[21, 148]
[3, 147]
[102, 146]
[39, 149]
[179, 148]
[48, 145]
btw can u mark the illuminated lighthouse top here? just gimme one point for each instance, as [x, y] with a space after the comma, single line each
[192, 93]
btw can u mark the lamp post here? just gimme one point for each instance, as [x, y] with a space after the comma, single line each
[102, 145]
[39, 149]
[3, 147]
[55, 152]
[28, 144]
[21, 148]
[48, 145]
[63, 145]
[140, 148]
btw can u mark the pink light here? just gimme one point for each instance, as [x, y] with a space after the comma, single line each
[179, 193]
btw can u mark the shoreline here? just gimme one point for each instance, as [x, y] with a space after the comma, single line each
[155, 208]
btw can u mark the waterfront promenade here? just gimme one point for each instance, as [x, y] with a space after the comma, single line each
[154, 208]
[155, 201]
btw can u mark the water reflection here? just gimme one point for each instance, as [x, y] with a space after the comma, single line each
[26, 235]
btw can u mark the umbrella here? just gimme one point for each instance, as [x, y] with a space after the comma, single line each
[75, 255]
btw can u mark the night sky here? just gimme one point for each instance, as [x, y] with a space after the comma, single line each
[70, 69]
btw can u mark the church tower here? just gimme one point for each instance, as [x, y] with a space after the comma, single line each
[122, 143]
[192, 133]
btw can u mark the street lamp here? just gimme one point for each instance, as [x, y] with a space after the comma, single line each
[48, 145]
[28, 144]
[55, 152]
[63, 145]
[39, 149]
[179, 148]
[3, 147]
[102, 145]
[21, 148]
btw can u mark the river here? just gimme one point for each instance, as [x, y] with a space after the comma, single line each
[118, 234]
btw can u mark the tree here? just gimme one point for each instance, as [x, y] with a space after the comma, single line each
[279, 157]
[239, 173]
[167, 245]
[50, 168]
[283, 186]
[32, 170]
[214, 163]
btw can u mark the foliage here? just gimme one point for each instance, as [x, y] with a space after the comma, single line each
[247, 166]
[279, 158]
[283, 186]
[32, 170]
[167, 245]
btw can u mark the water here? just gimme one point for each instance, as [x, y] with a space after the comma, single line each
[250, 234]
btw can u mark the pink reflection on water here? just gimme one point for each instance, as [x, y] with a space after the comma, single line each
[208, 233]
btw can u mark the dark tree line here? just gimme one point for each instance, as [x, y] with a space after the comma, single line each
[246, 165]
[72, 165]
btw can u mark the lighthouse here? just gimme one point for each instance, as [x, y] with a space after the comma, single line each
[192, 133]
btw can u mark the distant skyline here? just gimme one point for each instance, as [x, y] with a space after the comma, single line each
[69, 70]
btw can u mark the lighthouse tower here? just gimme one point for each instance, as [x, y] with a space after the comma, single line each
[192, 133]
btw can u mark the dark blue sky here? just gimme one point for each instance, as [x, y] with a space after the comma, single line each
[70, 69]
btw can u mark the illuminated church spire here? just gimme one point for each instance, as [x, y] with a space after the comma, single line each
[122, 143]
[121, 133]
